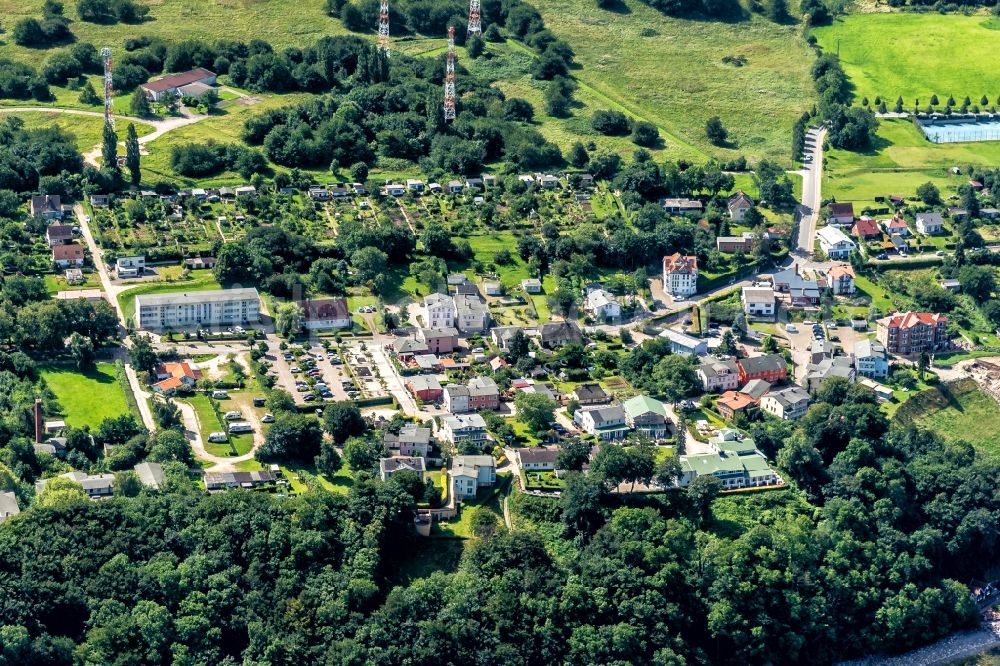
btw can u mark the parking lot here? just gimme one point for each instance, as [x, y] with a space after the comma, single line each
[312, 373]
[800, 341]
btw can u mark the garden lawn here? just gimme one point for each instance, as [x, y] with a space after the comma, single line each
[201, 281]
[916, 55]
[900, 160]
[87, 397]
[487, 497]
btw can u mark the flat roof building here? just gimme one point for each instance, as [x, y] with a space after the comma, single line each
[220, 307]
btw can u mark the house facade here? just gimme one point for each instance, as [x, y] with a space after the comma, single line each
[681, 343]
[439, 311]
[470, 473]
[65, 256]
[471, 315]
[835, 243]
[439, 340]
[930, 224]
[602, 305]
[789, 403]
[389, 466]
[841, 213]
[680, 274]
[326, 313]
[48, 206]
[605, 423]
[718, 375]
[840, 279]
[560, 333]
[772, 368]
[759, 301]
[738, 206]
[130, 267]
[909, 333]
[460, 428]
[411, 440]
[870, 359]
[646, 416]
[538, 458]
[424, 388]
[220, 307]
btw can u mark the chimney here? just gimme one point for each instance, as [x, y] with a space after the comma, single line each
[38, 420]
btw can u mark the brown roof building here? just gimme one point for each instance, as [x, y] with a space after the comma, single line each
[909, 333]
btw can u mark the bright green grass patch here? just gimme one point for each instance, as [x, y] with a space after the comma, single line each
[677, 80]
[486, 497]
[86, 129]
[968, 414]
[87, 397]
[201, 281]
[901, 160]
[281, 22]
[916, 55]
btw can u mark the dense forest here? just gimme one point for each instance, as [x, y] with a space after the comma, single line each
[866, 554]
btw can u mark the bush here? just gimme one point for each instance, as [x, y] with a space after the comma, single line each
[610, 123]
[645, 134]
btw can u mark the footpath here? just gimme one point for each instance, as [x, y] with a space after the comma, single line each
[959, 645]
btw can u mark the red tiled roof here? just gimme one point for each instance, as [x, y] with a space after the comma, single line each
[866, 227]
[679, 263]
[64, 252]
[911, 319]
[178, 80]
[735, 400]
[178, 370]
[840, 270]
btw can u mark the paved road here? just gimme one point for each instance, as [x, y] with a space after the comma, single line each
[141, 396]
[812, 182]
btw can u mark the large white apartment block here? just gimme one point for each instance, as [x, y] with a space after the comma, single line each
[221, 307]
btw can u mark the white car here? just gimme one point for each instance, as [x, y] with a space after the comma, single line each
[268, 418]
[791, 328]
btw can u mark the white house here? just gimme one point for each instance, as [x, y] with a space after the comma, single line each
[788, 403]
[718, 376]
[326, 313]
[602, 305]
[456, 398]
[758, 300]
[870, 359]
[439, 311]
[681, 343]
[680, 274]
[738, 206]
[130, 267]
[470, 473]
[466, 427]
[840, 279]
[471, 314]
[835, 243]
[389, 466]
[606, 423]
[930, 224]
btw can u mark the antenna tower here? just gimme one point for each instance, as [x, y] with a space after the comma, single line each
[108, 86]
[383, 28]
[475, 23]
[449, 77]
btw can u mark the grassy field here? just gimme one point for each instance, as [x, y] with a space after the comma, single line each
[899, 162]
[957, 411]
[676, 78]
[87, 129]
[916, 55]
[281, 22]
[201, 281]
[89, 397]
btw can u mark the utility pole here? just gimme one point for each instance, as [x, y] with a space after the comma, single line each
[383, 28]
[108, 87]
[475, 22]
[449, 78]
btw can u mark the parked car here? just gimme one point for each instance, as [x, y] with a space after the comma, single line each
[220, 395]
[309, 397]
[258, 401]
[296, 369]
[268, 418]
[791, 328]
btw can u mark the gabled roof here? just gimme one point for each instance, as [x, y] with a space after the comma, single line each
[643, 404]
[756, 388]
[539, 455]
[740, 200]
[64, 252]
[911, 319]
[178, 80]
[866, 226]
[840, 270]
[590, 392]
[735, 400]
[767, 363]
[402, 464]
[842, 209]
[833, 236]
[560, 330]
[679, 263]
[59, 232]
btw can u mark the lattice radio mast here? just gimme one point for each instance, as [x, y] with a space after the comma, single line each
[108, 87]
[449, 77]
[475, 22]
[383, 28]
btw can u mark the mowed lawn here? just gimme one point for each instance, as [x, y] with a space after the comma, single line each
[676, 77]
[916, 55]
[280, 22]
[973, 417]
[87, 397]
[900, 161]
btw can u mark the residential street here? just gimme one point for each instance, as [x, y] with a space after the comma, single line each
[112, 291]
[812, 182]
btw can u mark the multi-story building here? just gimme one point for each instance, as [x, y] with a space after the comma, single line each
[738, 205]
[605, 423]
[758, 300]
[772, 368]
[439, 311]
[840, 279]
[680, 274]
[456, 398]
[483, 394]
[718, 376]
[835, 243]
[220, 307]
[471, 315]
[411, 440]
[909, 333]
[870, 359]
[470, 473]
[646, 415]
[788, 403]
[461, 428]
